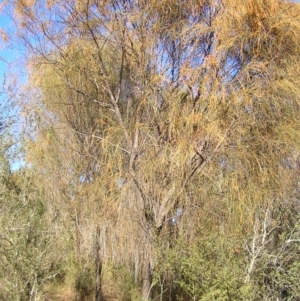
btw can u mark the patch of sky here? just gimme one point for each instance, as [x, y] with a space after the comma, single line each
[11, 74]
[175, 218]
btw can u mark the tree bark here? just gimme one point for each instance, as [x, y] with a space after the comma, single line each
[98, 266]
[146, 276]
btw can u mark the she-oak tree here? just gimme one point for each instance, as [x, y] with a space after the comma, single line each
[158, 120]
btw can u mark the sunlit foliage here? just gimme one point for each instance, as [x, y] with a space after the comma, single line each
[163, 121]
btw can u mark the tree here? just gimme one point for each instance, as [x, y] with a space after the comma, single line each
[27, 261]
[156, 113]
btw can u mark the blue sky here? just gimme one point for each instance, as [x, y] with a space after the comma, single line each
[6, 54]
[9, 58]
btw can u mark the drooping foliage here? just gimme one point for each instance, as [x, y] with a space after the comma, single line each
[159, 122]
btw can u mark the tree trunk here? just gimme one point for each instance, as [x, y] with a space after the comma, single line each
[98, 266]
[78, 234]
[146, 278]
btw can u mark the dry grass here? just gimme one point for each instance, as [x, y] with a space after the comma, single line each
[61, 293]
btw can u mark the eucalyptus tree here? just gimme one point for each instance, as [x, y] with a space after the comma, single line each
[155, 113]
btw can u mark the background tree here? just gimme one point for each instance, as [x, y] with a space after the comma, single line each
[27, 259]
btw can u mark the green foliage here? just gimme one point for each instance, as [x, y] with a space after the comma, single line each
[211, 269]
[277, 270]
[84, 282]
[120, 283]
[27, 257]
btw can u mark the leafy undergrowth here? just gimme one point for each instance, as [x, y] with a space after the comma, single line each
[67, 293]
